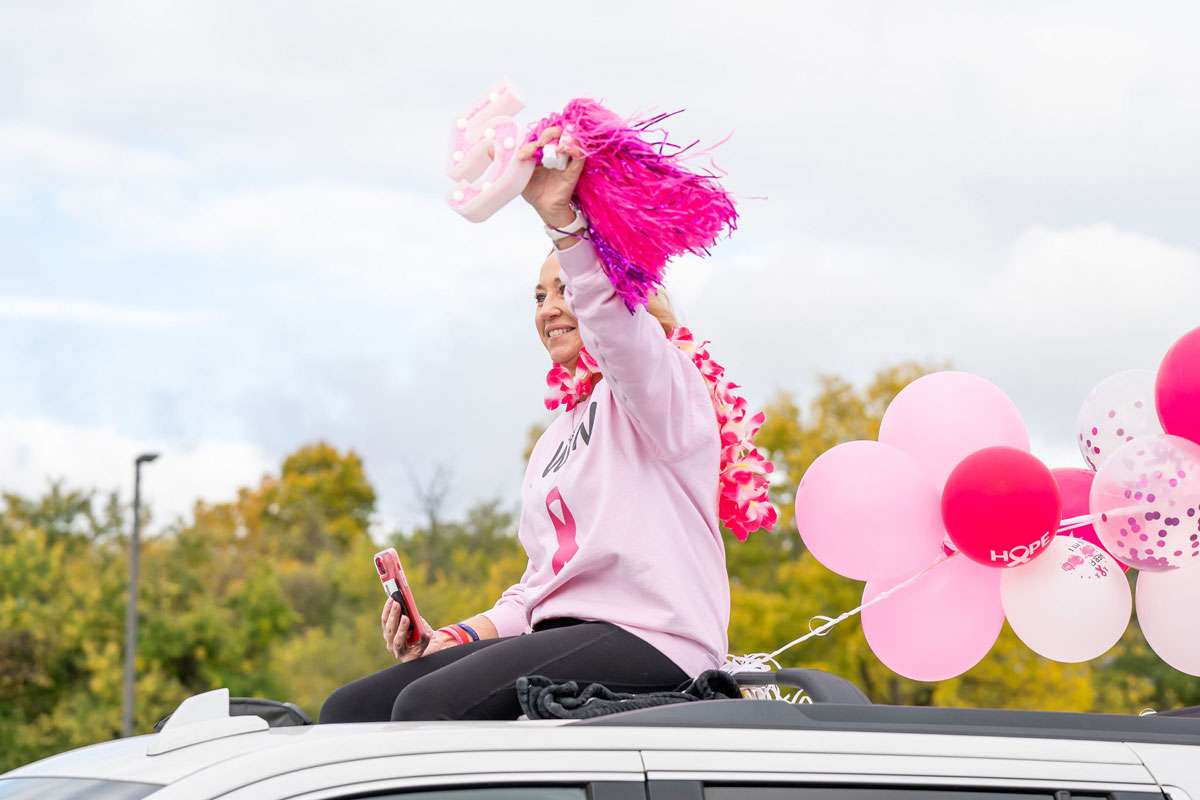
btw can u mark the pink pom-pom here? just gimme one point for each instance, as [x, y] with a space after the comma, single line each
[643, 205]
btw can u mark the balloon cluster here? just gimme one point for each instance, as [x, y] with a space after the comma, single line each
[955, 527]
[1140, 431]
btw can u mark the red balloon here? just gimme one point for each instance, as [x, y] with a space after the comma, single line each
[1177, 388]
[1001, 507]
[1074, 487]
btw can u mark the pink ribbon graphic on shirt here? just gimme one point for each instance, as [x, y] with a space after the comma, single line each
[564, 529]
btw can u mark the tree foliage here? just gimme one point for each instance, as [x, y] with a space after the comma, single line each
[272, 594]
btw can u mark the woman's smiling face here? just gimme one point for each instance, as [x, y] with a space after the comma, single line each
[556, 325]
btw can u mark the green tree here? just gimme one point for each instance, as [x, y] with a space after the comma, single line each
[455, 572]
[61, 608]
[273, 594]
[219, 598]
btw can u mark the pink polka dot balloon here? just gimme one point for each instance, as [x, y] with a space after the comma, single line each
[1145, 503]
[1119, 410]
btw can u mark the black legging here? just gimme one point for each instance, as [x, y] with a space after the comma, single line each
[478, 680]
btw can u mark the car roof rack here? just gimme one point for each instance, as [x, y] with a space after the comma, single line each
[1187, 711]
[277, 713]
[819, 686]
[202, 718]
[774, 715]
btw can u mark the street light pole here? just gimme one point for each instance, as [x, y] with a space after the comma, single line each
[131, 621]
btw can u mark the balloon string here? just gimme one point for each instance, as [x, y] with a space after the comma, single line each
[1084, 520]
[830, 622]
[1075, 522]
[763, 661]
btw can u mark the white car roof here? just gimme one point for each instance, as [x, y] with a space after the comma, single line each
[200, 757]
[128, 759]
[279, 750]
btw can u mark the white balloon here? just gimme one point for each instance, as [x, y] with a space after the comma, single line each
[1168, 609]
[1118, 410]
[1070, 604]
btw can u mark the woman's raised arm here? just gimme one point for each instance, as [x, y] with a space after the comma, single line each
[652, 380]
[655, 384]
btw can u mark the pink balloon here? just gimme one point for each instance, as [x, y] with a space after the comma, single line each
[1146, 503]
[1071, 604]
[1000, 507]
[940, 626]
[942, 418]
[1177, 388]
[1167, 604]
[1074, 485]
[867, 511]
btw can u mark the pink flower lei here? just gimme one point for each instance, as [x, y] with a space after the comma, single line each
[743, 506]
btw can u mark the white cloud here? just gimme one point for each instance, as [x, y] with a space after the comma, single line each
[1046, 321]
[1095, 283]
[349, 233]
[62, 309]
[1072, 306]
[31, 151]
[1007, 187]
[45, 161]
[35, 451]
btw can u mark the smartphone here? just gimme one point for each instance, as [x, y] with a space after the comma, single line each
[395, 586]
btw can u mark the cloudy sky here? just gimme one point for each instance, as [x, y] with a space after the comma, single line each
[222, 232]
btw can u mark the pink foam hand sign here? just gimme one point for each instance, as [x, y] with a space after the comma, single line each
[483, 149]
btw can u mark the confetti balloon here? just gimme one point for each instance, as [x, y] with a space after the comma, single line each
[1119, 410]
[1145, 503]
[1070, 605]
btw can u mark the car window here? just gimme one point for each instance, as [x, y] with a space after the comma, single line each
[72, 789]
[744, 792]
[858, 793]
[490, 793]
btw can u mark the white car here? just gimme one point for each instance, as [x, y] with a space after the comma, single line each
[709, 750]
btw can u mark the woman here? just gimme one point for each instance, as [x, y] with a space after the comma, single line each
[626, 583]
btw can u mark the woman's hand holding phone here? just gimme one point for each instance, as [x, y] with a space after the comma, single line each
[406, 634]
[440, 641]
[404, 641]
[396, 634]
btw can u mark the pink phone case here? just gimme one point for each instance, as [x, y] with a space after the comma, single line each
[395, 586]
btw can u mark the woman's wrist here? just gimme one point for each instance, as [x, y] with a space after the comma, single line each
[566, 236]
[460, 633]
[483, 626]
[557, 216]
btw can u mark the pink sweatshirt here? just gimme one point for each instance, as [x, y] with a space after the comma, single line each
[620, 496]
